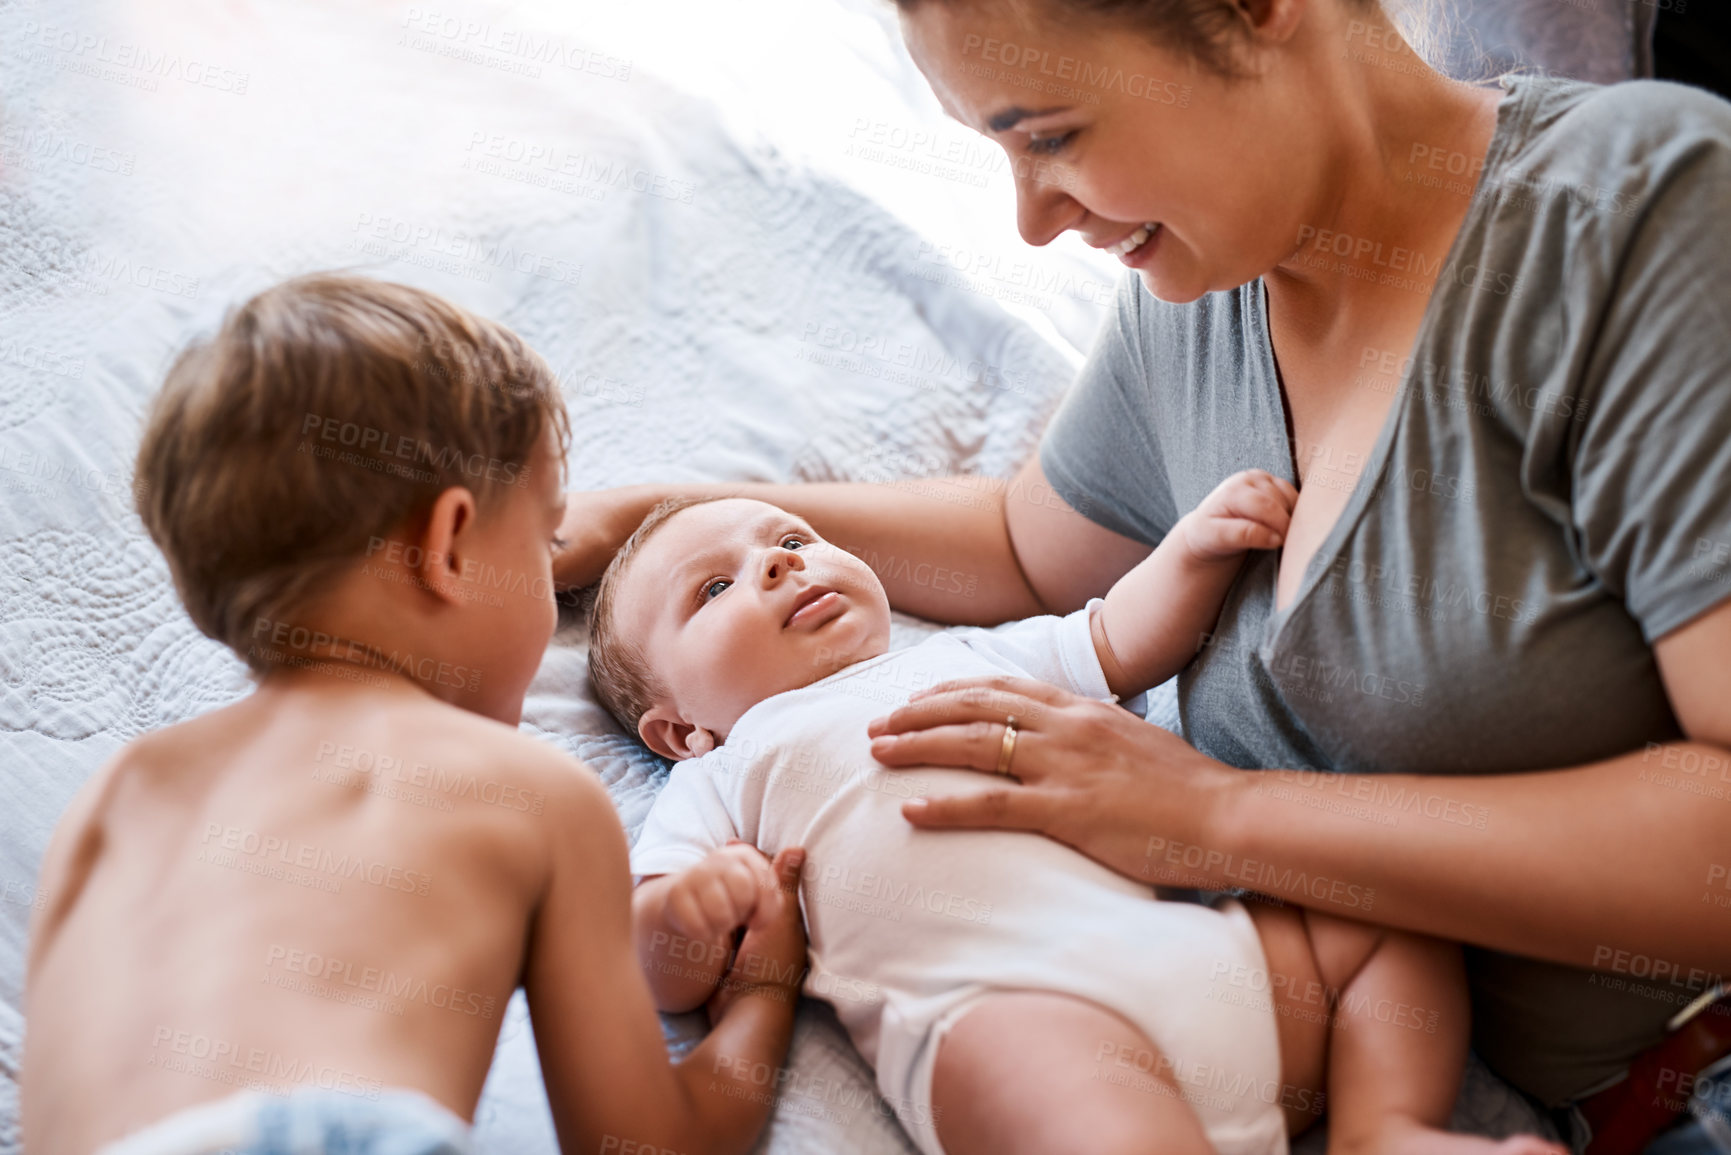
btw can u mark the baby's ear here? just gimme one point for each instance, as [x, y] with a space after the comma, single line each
[673, 737]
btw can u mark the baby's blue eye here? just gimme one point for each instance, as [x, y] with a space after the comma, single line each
[796, 543]
[709, 591]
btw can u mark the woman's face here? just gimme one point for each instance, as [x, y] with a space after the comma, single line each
[1108, 133]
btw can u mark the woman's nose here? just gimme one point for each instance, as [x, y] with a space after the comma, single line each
[1044, 207]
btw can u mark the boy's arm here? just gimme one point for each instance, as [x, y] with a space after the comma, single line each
[609, 1080]
[1156, 617]
[682, 972]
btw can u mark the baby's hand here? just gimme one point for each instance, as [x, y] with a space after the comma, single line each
[1249, 510]
[771, 956]
[724, 892]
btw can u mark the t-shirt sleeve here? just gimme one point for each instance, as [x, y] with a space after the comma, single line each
[689, 819]
[1652, 470]
[1098, 452]
[1057, 650]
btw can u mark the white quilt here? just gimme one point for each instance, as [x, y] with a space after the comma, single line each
[742, 233]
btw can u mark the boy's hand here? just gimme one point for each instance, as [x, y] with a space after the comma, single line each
[771, 957]
[727, 890]
[1251, 509]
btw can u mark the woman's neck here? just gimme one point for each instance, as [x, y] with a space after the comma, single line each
[1403, 154]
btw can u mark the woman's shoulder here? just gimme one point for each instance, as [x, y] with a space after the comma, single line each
[1635, 131]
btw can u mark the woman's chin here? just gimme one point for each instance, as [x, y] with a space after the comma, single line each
[1172, 290]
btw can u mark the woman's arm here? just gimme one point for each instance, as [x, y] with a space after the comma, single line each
[962, 550]
[1573, 865]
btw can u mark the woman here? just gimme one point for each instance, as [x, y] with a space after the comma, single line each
[1485, 331]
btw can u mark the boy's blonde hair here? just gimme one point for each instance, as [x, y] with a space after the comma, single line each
[324, 414]
[617, 669]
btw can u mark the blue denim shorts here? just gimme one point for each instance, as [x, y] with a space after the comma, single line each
[308, 1122]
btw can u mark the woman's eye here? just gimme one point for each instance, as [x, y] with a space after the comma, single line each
[1048, 145]
[715, 588]
[559, 543]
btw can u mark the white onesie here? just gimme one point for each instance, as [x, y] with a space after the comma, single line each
[908, 927]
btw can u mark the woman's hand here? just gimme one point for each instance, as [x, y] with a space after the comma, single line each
[596, 524]
[1089, 774]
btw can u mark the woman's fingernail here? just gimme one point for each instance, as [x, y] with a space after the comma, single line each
[875, 726]
[915, 805]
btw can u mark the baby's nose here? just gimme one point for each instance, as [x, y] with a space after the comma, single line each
[780, 562]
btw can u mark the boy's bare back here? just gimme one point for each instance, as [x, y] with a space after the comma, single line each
[404, 840]
[335, 884]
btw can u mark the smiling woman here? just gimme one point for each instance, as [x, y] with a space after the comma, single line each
[1481, 330]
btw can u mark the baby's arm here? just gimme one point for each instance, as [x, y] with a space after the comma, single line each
[609, 1080]
[685, 922]
[1155, 617]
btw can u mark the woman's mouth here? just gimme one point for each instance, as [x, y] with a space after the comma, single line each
[1133, 249]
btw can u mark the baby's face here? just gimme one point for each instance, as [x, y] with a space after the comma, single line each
[735, 601]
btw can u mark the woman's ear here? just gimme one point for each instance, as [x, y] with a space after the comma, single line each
[673, 737]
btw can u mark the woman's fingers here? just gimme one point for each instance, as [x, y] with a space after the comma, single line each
[955, 703]
[1008, 807]
[969, 745]
[985, 685]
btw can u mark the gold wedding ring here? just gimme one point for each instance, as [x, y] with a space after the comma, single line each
[1008, 749]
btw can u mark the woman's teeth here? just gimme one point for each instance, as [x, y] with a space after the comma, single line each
[1135, 240]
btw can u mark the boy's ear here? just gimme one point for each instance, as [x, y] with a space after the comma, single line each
[445, 542]
[673, 737]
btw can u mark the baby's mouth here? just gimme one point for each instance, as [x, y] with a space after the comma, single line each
[813, 602]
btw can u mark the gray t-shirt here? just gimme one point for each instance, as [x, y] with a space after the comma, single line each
[1551, 492]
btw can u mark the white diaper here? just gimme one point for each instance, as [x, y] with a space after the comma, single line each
[1216, 1034]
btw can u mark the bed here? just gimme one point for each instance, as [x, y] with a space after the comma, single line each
[752, 249]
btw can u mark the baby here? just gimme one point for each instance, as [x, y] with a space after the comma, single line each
[1012, 994]
[293, 924]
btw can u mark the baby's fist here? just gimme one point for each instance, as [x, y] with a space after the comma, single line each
[720, 894]
[1251, 509]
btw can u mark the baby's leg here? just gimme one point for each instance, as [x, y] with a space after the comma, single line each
[1398, 1033]
[1039, 1073]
